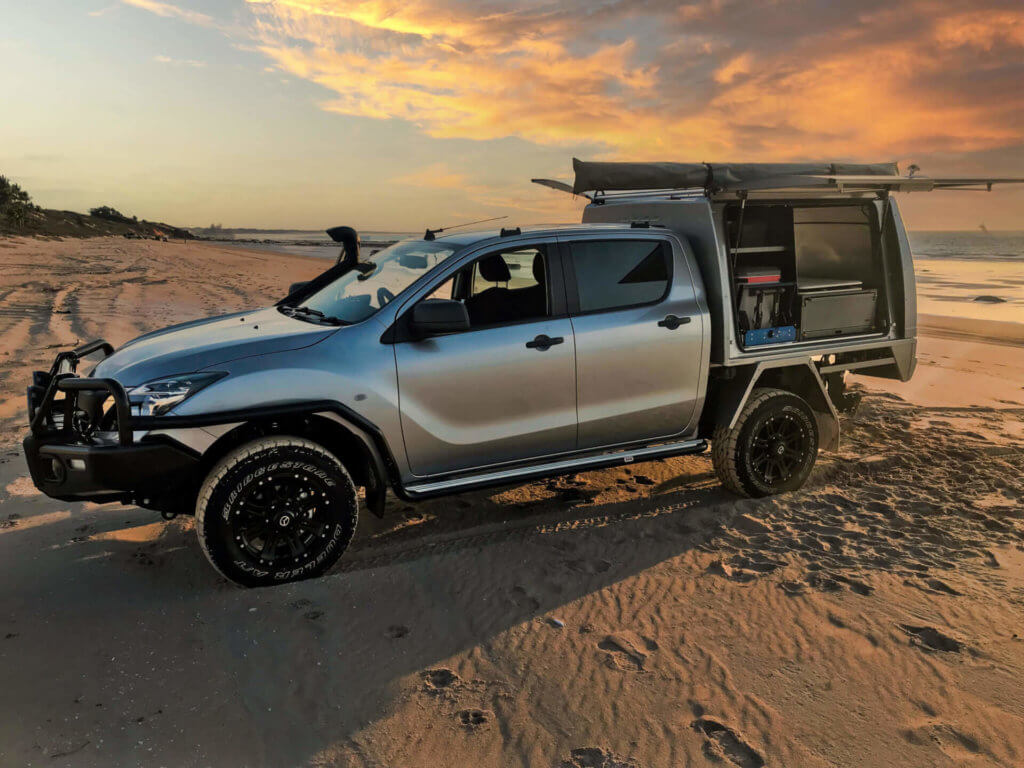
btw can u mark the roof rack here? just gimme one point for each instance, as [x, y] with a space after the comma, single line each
[658, 193]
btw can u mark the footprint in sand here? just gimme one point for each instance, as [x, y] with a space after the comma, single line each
[523, 599]
[397, 631]
[472, 719]
[936, 585]
[723, 742]
[953, 741]
[595, 757]
[930, 639]
[625, 654]
[438, 681]
[833, 582]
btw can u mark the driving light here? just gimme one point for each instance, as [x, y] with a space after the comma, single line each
[157, 397]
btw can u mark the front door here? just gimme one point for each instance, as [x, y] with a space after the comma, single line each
[505, 390]
[639, 339]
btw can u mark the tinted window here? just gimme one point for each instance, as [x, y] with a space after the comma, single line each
[620, 273]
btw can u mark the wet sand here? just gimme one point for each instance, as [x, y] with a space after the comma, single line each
[636, 617]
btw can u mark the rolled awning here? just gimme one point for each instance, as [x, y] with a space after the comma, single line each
[606, 177]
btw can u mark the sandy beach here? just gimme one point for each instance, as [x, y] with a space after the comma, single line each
[627, 618]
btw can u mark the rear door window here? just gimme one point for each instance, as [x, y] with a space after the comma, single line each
[615, 274]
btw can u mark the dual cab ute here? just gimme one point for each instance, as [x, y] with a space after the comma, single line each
[694, 304]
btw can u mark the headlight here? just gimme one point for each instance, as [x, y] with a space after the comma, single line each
[155, 398]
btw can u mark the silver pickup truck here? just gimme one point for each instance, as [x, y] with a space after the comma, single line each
[693, 305]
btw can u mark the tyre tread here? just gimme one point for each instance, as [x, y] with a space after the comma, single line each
[234, 458]
[724, 441]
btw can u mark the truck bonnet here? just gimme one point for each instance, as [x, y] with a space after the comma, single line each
[198, 345]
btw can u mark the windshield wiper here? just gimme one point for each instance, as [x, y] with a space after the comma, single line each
[310, 312]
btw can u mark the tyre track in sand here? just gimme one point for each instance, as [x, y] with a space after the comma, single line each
[56, 293]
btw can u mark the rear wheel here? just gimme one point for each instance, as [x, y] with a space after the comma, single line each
[772, 447]
[274, 510]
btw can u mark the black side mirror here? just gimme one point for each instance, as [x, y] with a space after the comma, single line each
[433, 317]
[297, 287]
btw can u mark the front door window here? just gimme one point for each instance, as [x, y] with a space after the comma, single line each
[509, 287]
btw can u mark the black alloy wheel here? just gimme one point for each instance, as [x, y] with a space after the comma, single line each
[779, 448]
[771, 448]
[283, 519]
[275, 510]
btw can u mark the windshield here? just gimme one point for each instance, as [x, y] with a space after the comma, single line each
[357, 295]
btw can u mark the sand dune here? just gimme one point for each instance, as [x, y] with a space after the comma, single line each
[637, 617]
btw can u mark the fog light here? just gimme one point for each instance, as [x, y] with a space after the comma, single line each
[78, 464]
[57, 472]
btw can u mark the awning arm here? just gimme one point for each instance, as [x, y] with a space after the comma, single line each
[560, 186]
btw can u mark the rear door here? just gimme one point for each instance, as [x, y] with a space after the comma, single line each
[639, 335]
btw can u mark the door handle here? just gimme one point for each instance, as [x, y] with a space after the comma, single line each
[672, 322]
[544, 342]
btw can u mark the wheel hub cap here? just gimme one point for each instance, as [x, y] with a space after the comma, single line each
[779, 449]
[281, 519]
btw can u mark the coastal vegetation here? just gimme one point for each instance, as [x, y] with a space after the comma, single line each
[15, 204]
[19, 215]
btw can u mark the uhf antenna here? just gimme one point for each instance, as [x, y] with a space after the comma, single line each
[431, 232]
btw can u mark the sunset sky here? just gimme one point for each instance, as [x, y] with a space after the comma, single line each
[395, 115]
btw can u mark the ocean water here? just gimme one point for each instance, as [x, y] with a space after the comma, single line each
[975, 275]
[987, 246]
[302, 242]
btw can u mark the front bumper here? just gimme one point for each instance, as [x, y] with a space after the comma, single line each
[107, 470]
[82, 444]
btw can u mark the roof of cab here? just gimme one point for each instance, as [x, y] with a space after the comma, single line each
[478, 236]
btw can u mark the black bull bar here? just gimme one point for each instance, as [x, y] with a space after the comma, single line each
[72, 452]
[46, 384]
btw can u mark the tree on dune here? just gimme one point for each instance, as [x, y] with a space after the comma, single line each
[110, 214]
[15, 204]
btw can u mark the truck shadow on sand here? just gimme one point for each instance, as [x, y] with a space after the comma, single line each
[127, 623]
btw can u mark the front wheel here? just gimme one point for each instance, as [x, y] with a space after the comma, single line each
[275, 510]
[772, 447]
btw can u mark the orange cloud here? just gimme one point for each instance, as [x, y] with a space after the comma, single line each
[486, 70]
[740, 65]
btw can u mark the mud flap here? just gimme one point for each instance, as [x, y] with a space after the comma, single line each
[799, 377]
[376, 495]
[828, 431]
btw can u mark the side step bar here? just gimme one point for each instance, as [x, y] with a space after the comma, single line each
[550, 469]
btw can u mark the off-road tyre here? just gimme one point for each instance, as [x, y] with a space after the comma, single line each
[748, 459]
[275, 510]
